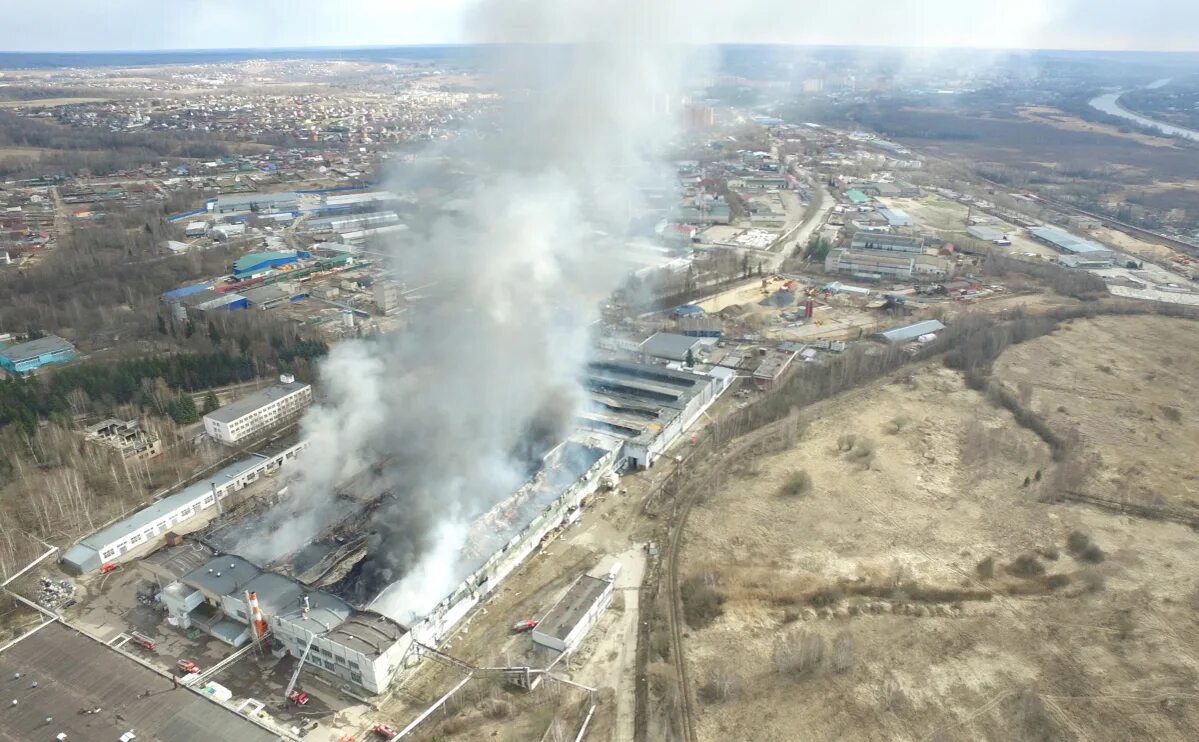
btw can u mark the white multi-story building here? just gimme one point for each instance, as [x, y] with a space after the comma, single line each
[259, 412]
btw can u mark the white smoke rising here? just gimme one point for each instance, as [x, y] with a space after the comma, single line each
[450, 411]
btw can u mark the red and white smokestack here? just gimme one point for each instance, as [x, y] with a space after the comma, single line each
[256, 618]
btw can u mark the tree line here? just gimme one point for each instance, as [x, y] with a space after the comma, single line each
[101, 386]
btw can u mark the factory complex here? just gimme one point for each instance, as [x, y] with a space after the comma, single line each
[293, 607]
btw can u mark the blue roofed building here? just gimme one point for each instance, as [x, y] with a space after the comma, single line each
[258, 263]
[28, 357]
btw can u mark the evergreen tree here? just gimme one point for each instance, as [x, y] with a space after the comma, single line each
[162, 325]
[214, 334]
[189, 329]
[182, 409]
[211, 403]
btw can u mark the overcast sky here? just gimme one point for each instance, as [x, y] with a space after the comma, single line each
[89, 25]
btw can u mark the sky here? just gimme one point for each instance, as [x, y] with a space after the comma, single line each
[127, 25]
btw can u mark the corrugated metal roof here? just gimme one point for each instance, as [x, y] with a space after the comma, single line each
[1064, 240]
[35, 348]
[167, 505]
[669, 345]
[905, 333]
[254, 259]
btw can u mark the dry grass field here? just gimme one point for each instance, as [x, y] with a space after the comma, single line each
[898, 574]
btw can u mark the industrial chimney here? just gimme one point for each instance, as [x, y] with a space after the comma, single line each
[257, 622]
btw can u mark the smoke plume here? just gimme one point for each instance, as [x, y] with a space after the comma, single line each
[450, 414]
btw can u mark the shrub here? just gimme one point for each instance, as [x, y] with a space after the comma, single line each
[1171, 413]
[1051, 553]
[1083, 549]
[790, 615]
[659, 643]
[1026, 565]
[842, 657]
[897, 425]
[797, 484]
[798, 653]
[985, 568]
[862, 448]
[826, 596]
[702, 604]
[720, 685]
[1054, 582]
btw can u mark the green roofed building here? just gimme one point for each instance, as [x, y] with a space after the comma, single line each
[856, 197]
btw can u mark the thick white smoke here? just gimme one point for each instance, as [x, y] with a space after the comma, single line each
[449, 411]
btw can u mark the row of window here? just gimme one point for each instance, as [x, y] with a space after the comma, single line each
[163, 525]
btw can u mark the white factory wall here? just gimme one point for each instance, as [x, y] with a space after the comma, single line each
[191, 508]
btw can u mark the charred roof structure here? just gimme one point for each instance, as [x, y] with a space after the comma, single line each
[647, 406]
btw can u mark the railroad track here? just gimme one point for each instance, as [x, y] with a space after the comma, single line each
[687, 719]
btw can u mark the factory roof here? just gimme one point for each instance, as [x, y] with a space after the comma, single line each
[35, 348]
[249, 403]
[255, 259]
[572, 607]
[904, 333]
[882, 240]
[222, 575]
[670, 346]
[179, 560]
[983, 232]
[76, 673]
[208, 298]
[281, 597]
[856, 197]
[266, 294]
[247, 200]
[368, 633]
[181, 292]
[1063, 240]
[896, 217]
[168, 505]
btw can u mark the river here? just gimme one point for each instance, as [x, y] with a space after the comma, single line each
[1110, 104]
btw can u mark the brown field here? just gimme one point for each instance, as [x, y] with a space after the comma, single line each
[48, 102]
[863, 609]
[1124, 384]
[1061, 120]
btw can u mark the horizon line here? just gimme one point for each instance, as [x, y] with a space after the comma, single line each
[464, 45]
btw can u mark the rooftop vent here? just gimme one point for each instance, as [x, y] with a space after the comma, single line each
[287, 378]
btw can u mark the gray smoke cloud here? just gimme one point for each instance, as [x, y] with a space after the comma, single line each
[449, 415]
